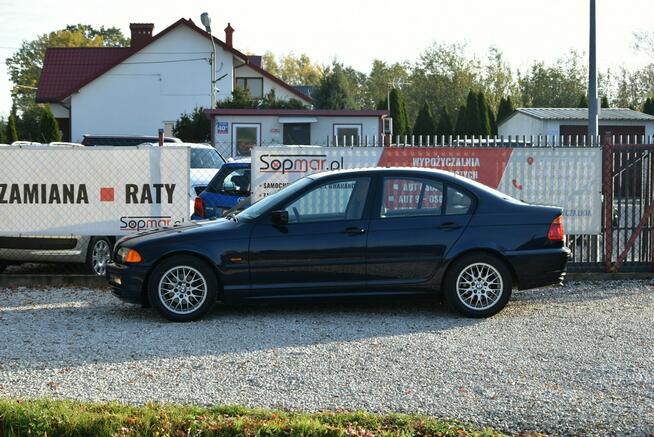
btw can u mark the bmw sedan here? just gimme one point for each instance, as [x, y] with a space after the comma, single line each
[352, 233]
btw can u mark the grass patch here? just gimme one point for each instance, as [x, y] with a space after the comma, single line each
[55, 418]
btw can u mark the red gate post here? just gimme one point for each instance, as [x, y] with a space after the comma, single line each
[607, 191]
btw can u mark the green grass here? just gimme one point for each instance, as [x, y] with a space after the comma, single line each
[69, 418]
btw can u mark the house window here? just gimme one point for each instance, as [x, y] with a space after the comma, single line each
[245, 136]
[347, 134]
[253, 84]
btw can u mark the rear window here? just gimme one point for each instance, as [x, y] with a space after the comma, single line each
[231, 181]
[206, 158]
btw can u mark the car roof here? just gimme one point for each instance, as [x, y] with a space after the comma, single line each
[375, 170]
[144, 137]
[191, 145]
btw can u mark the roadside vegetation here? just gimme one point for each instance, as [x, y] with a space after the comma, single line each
[69, 418]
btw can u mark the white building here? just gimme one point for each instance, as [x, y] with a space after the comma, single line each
[139, 89]
[574, 121]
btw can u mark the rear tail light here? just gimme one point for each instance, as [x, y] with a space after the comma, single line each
[198, 206]
[556, 232]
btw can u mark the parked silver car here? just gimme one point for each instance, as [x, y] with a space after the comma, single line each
[94, 252]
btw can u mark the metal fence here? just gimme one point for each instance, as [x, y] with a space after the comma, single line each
[625, 243]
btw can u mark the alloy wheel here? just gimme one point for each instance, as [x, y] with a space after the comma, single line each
[479, 286]
[182, 290]
[100, 256]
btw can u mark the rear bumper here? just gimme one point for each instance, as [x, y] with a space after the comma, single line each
[539, 268]
[128, 282]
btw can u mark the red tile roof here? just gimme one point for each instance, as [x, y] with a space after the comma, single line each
[66, 70]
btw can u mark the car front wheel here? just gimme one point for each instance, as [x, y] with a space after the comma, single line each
[182, 288]
[478, 285]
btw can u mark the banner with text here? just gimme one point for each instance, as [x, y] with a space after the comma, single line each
[567, 177]
[97, 191]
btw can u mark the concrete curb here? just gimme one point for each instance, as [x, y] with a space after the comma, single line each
[90, 281]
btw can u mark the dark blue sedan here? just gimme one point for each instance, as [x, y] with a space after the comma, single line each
[373, 232]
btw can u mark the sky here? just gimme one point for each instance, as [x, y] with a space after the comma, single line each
[357, 31]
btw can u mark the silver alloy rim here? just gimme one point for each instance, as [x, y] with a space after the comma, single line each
[182, 290]
[479, 286]
[100, 257]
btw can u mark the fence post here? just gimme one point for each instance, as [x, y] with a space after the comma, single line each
[607, 191]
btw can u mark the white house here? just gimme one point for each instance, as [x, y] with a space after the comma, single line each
[574, 121]
[139, 89]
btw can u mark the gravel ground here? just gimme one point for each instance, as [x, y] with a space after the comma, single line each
[576, 360]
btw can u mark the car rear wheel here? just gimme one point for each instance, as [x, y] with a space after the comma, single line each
[478, 285]
[98, 255]
[182, 288]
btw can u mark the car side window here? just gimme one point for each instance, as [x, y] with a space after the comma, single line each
[408, 197]
[458, 202]
[331, 201]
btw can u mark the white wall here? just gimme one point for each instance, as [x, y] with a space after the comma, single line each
[137, 96]
[520, 124]
[272, 130]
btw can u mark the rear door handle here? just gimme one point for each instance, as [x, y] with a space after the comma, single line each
[449, 225]
[354, 230]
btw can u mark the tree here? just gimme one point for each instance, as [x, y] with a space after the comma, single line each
[505, 109]
[444, 127]
[424, 124]
[398, 113]
[605, 102]
[381, 78]
[24, 66]
[334, 90]
[493, 121]
[461, 122]
[194, 127]
[583, 101]
[12, 133]
[485, 126]
[3, 131]
[648, 107]
[48, 127]
[295, 70]
[554, 85]
[473, 118]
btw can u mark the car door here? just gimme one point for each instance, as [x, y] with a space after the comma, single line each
[321, 249]
[411, 229]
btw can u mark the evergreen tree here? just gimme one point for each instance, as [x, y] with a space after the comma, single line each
[334, 91]
[648, 107]
[398, 114]
[473, 119]
[12, 133]
[485, 127]
[505, 109]
[493, 121]
[605, 102]
[444, 127]
[3, 131]
[461, 126]
[424, 124]
[194, 127]
[48, 127]
[382, 105]
[583, 102]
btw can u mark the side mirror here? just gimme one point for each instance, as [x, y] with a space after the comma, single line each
[279, 218]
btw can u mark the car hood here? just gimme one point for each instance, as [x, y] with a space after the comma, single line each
[189, 229]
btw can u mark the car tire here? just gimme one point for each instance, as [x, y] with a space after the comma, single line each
[183, 288]
[98, 255]
[478, 285]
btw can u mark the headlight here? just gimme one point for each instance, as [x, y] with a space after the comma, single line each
[125, 255]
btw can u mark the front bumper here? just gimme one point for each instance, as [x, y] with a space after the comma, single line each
[539, 268]
[128, 282]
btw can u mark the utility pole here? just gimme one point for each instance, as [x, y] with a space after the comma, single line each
[593, 116]
[206, 21]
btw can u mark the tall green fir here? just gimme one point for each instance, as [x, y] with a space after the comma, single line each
[425, 124]
[444, 126]
[398, 113]
[648, 107]
[505, 109]
[461, 126]
[485, 126]
[48, 127]
[473, 119]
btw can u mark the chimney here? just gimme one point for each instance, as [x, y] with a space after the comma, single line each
[229, 32]
[141, 34]
[254, 60]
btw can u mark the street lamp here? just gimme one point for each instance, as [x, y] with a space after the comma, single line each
[206, 22]
[593, 118]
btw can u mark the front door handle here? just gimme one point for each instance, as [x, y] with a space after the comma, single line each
[354, 230]
[449, 225]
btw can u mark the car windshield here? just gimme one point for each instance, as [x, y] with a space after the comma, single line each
[231, 181]
[206, 158]
[260, 207]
